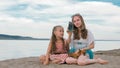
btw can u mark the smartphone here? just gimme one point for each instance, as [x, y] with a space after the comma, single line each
[70, 26]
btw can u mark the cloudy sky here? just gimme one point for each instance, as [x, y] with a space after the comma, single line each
[36, 18]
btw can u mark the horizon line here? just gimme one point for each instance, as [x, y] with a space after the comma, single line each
[49, 39]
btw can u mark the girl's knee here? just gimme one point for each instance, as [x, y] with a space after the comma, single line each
[67, 60]
[90, 53]
[42, 58]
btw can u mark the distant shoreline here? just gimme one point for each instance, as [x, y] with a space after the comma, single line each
[49, 39]
[24, 39]
[107, 40]
[17, 37]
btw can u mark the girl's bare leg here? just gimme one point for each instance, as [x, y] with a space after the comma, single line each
[101, 61]
[71, 60]
[84, 60]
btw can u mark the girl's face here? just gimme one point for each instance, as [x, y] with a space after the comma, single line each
[59, 32]
[77, 21]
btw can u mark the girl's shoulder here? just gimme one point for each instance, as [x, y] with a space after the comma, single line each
[88, 30]
[90, 35]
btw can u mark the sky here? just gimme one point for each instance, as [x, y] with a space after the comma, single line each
[36, 18]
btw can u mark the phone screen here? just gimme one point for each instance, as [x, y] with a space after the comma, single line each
[70, 26]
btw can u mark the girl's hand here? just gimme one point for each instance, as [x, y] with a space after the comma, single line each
[84, 49]
[76, 52]
[69, 32]
[69, 36]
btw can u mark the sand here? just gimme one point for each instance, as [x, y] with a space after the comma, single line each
[113, 56]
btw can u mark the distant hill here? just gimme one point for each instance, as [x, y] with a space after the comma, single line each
[14, 37]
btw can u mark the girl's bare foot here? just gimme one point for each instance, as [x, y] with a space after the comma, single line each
[56, 61]
[101, 61]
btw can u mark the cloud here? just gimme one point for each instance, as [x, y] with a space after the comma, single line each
[30, 18]
[6, 3]
[24, 27]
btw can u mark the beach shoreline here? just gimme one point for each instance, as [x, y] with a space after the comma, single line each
[33, 62]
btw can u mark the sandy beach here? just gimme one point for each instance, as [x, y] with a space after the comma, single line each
[113, 56]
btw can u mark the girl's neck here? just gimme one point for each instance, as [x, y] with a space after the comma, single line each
[58, 39]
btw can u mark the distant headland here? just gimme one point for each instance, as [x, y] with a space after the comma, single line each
[16, 37]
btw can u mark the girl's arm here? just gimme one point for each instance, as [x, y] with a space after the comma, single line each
[90, 41]
[91, 46]
[48, 53]
[69, 36]
[67, 45]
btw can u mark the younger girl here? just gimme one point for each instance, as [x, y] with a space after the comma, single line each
[58, 48]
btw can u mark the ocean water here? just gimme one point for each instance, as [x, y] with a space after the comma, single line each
[12, 49]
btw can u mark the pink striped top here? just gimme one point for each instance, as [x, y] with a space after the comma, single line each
[60, 48]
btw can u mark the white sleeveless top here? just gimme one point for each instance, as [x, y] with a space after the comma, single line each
[82, 43]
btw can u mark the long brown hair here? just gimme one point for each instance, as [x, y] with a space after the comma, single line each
[83, 28]
[54, 40]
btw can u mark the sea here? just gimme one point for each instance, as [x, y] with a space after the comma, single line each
[13, 49]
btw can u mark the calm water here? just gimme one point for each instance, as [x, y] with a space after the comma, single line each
[10, 49]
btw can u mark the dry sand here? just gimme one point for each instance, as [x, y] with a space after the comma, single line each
[113, 56]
